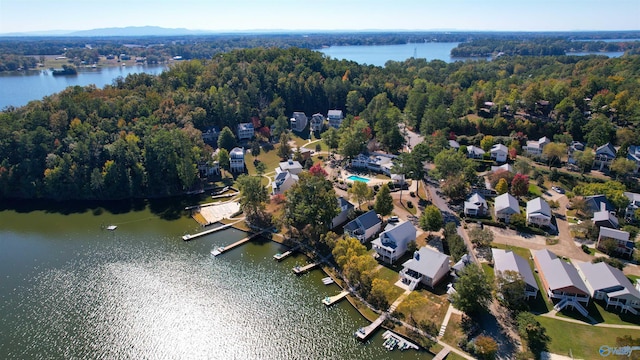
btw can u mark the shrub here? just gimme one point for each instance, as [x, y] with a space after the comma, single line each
[412, 194]
[409, 204]
[585, 248]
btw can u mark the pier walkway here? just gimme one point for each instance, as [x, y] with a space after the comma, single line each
[206, 232]
[224, 249]
[301, 270]
[334, 299]
[364, 332]
[443, 353]
[285, 254]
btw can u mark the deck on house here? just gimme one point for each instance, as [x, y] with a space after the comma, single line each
[334, 299]
[364, 332]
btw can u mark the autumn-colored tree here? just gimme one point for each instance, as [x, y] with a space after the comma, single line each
[520, 185]
[317, 170]
[502, 186]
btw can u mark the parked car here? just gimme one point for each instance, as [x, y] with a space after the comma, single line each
[558, 189]
[393, 219]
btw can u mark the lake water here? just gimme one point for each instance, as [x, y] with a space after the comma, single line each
[70, 290]
[18, 88]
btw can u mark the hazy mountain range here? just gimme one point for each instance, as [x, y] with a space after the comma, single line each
[115, 31]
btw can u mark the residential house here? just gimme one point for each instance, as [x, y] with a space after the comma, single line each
[624, 247]
[392, 242]
[507, 260]
[506, 205]
[503, 167]
[236, 159]
[538, 212]
[427, 266]
[575, 146]
[377, 162]
[594, 203]
[561, 281]
[605, 218]
[345, 209]
[364, 226]
[634, 204]
[291, 166]
[474, 152]
[499, 153]
[317, 122]
[633, 154]
[605, 155]
[454, 144]
[461, 264]
[298, 121]
[476, 205]
[245, 131]
[284, 181]
[535, 147]
[211, 135]
[335, 118]
[611, 285]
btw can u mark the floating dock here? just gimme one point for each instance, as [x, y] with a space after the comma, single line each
[393, 340]
[364, 332]
[301, 270]
[282, 256]
[334, 299]
[203, 233]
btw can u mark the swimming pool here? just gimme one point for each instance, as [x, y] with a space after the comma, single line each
[358, 178]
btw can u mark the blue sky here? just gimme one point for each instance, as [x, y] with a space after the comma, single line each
[511, 15]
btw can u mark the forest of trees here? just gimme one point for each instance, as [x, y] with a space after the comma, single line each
[539, 47]
[141, 136]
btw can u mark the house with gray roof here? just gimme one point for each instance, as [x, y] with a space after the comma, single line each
[291, 166]
[561, 281]
[633, 154]
[392, 242]
[605, 155]
[624, 246]
[245, 131]
[454, 144]
[364, 226]
[476, 205]
[284, 181]
[298, 121]
[538, 212]
[461, 264]
[535, 147]
[499, 153]
[236, 159]
[506, 205]
[335, 118]
[611, 285]
[604, 218]
[503, 167]
[507, 260]
[377, 162]
[474, 152]
[595, 203]
[634, 204]
[427, 266]
[345, 208]
[317, 122]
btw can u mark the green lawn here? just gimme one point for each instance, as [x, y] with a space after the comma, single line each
[434, 308]
[490, 273]
[270, 160]
[600, 314]
[391, 276]
[534, 190]
[454, 332]
[582, 341]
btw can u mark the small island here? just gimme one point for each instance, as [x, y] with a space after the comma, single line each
[66, 70]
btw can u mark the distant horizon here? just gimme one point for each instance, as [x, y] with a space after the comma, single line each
[217, 16]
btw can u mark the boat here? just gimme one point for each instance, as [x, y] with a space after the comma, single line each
[327, 280]
[217, 251]
[112, 227]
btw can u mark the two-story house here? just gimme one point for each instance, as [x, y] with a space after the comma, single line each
[535, 147]
[299, 121]
[499, 153]
[392, 242]
[427, 266]
[335, 118]
[364, 227]
[505, 261]
[610, 285]
[236, 159]
[317, 122]
[245, 131]
[561, 281]
[605, 155]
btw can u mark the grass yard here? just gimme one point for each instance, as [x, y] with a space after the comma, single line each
[433, 309]
[534, 190]
[599, 313]
[391, 276]
[454, 333]
[270, 159]
[582, 341]
[490, 273]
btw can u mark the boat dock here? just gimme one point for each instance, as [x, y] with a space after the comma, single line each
[334, 299]
[392, 340]
[443, 353]
[282, 256]
[364, 332]
[224, 249]
[203, 233]
[301, 270]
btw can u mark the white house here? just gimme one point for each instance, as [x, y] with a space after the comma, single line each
[625, 246]
[605, 155]
[364, 226]
[392, 242]
[507, 260]
[476, 205]
[561, 281]
[377, 162]
[291, 166]
[335, 118]
[317, 122]
[245, 131]
[299, 121]
[284, 181]
[535, 147]
[503, 167]
[538, 212]
[611, 285]
[499, 153]
[634, 155]
[506, 205]
[427, 266]
[634, 204]
[474, 152]
[345, 208]
[236, 159]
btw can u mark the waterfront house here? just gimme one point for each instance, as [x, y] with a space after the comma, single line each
[335, 118]
[499, 153]
[611, 285]
[317, 122]
[298, 121]
[476, 205]
[345, 209]
[535, 147]
[376, 162]
[624, 246]
[245, 131]
[236, 159]
[392, 242]
[634, 204]
[474, 152]
[291, 166]
[605, 155]
[283, 181]
[507, 260]
[506, 205]
[561, 281]
[633, 154]
[364, 226]
[427, 266]
[538, 212]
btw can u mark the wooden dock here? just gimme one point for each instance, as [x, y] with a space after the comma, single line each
[224, 249]
[282, 256]
[301, 270]
[203, 233]
[334, 299]
[364, 332]
[443, 353]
